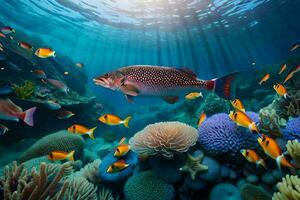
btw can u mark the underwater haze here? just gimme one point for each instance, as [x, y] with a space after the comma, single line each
[149, 99]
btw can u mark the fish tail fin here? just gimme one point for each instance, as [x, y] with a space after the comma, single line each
[71, 155]
[286, 163]
[278, 161]
[91, 133]
[262, 163]
[126, 121]
[223, 86]
[27, 116]
[122, 141]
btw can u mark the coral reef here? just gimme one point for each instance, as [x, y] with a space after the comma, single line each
[288, 188]
[105, 194]
[214, 104]
[80, 189]
[61, 140]
[293, 149]
[224, 191]
[292, 129]
[130, 158]
[253, 192]
[194, 165]
[90, 172]
[145, 186]
[164, 138]
[219, 135]
[18, 184]
[270, 122]
[167, 169]
[25, 91]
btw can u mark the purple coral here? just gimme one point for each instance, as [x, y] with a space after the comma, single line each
[292, 129]
[219, 135]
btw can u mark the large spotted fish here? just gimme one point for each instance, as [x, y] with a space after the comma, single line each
[165, 82]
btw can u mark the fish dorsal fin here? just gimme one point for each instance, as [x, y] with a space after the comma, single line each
[188, 71]
[122, 141]
[171, 99]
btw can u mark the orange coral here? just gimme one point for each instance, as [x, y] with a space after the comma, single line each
[164, 138]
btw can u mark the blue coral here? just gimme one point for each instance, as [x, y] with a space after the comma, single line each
[292, 129]
[131, 158]
[219, 135]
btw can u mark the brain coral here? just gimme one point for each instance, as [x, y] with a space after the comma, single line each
[58, 141]
[164, 138]
[292, 129]
[145, 186]
[219, 135]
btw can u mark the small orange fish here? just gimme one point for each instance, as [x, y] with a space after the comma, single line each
[117, 166]
[242, 119]
[61, 155]
[272, 149]
[193, 95]
[25, 45]
[238, 105]
[64, 114]
[282, 69]
[79, 65]
[252, 157]
[280, 89]
[291, 74]
[82, 130]
[264, 79]
[201, 118]
[122, 149]
[44, 53]
[113, 120]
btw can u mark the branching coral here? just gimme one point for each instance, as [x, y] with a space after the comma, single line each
[293, 148]
[25, 91]
[270, 122]
[80, 189]
[164, 138]
[19, 185]
[289, 189]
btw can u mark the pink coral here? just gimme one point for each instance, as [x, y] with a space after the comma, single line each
[164, 138]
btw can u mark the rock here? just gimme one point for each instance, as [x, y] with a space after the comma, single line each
[252, 178]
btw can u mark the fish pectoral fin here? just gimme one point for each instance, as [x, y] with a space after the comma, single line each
[171, 99]
[129, 98]
[130, 89]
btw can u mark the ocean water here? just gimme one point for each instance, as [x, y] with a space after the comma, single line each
[109, 91]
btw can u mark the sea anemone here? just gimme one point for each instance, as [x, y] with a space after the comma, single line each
[164, 138]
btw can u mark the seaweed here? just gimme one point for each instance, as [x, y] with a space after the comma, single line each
[25, 91]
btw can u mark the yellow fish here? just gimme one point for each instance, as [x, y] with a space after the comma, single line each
[238, 105]
[280, 89]
[61, 155]
[241, 119]
[122, 149]
[291, 74]
[253, 157]
[117, 166]
[193, 95]
[44, 53]
[113, 120]
[201, 119]
[272, 149]
[264, 79]
[82, 130]
[282, 69]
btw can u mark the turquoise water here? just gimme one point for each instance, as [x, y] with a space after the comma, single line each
[209, 39]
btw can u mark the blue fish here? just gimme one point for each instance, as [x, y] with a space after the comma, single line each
[6, 89]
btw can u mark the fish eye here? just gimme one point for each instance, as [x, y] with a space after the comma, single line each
[105, 116]
[106, 75]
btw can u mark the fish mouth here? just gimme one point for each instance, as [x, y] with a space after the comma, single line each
[101, 81]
